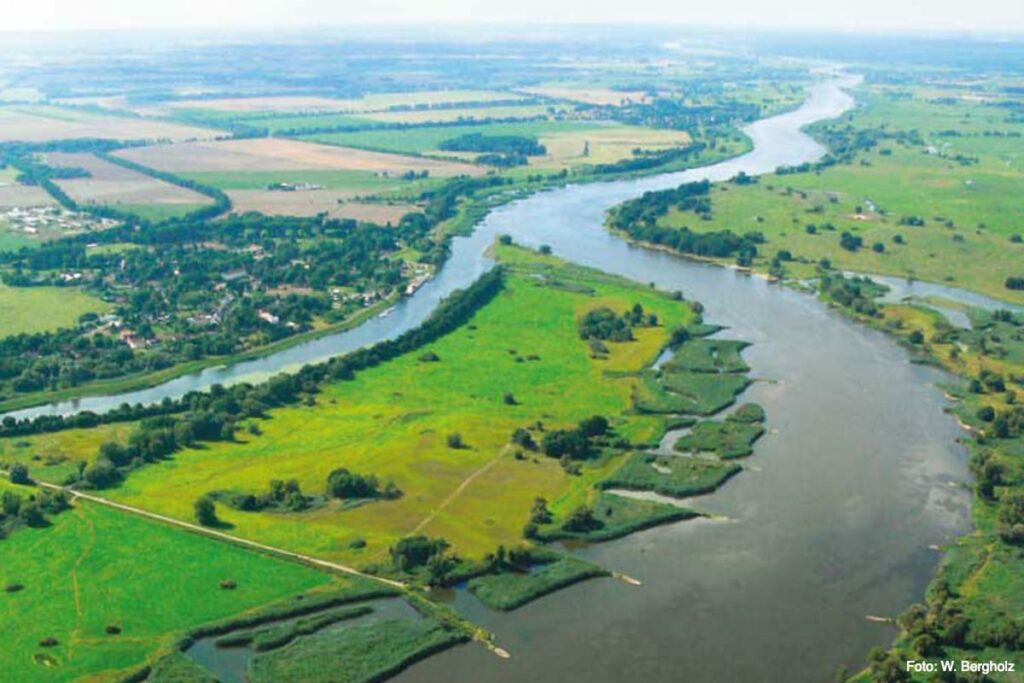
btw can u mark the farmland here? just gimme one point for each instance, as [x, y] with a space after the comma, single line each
[313, 202]
[957, 226]
[113, 185]
[569, 143]
[367, 103]
[82, 575]
[39, 123]
[285, 155]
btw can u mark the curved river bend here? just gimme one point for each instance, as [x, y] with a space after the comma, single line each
[832, 521]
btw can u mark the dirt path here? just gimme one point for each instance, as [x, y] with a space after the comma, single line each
[458, 491]
[220, 535]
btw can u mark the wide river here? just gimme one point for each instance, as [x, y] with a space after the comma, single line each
[833, 520]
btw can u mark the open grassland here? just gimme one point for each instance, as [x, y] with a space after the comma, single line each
[272, 154]
[969, 212]
[26, 310]
[96, 568]
[393, 422]
[52, 457]
[114, 185]
[313, 202]
[40, 123]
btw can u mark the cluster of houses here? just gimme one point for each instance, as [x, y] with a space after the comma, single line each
[36, 219]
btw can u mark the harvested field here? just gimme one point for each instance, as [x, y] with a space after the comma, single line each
[272, 154]
[598, 96]
[312, 202]
[377, 102]
[525, 111]
[112, 184]
[40, 123]
[15, 194]
[605, 144]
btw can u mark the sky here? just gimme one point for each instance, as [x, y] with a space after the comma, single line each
[1000, 16]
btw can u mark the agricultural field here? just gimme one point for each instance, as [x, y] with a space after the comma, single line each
[43, 309]
[367, 103]
[37, 123]
[272, 154]
[395, 421]
[314, 202]
[568, 143]
[596, 95]
[958, 225]
[123, 188]
[82, 578]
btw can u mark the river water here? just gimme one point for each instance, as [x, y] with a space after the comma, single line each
[832, 522]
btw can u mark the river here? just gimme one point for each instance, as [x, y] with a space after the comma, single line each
[832, 521]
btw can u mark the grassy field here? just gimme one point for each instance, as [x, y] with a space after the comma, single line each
[393, 422]
[569, 143]
[969, 211]
[95, 568]
[371, 652]
[511, 590]
[26, 310]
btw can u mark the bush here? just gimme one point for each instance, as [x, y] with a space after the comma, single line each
[19, 474]
[344, 484]
[206, 511]
[454, 440]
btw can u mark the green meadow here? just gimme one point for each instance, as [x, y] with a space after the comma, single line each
[969, 212]
[27, 310]
[425, 139]
[95, 568]
[394, 421]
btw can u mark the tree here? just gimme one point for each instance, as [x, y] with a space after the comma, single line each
[454, 440]
[522, 437]
[415, 551]
[206, 511]
[559, 442]
[596, 425]
[19, 474]
[539, 513]
[1011, 516]
[344, 484]
[581, 520]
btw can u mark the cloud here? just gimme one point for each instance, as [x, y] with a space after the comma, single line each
[983, 15]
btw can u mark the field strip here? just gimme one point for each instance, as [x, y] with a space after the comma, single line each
[455, 494]
[219, 535]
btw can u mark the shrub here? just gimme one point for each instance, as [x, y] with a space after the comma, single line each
[19, 474]
[112, 630]
[228, 585]
[454, 440]
[344, 484]
[206, 511]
